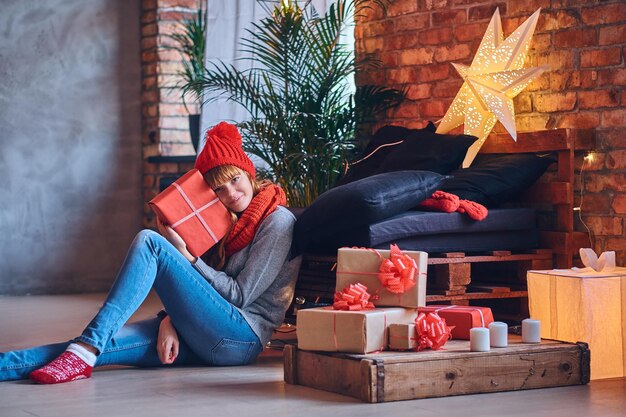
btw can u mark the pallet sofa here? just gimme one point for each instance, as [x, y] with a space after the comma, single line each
[462, 268]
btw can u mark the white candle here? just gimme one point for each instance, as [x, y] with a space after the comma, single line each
[479, 339]
[498, 334]
[531, 331]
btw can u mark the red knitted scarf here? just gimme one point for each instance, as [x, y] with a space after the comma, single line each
[262, 205]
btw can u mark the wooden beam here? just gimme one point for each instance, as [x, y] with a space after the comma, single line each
[475, 296]
[558, 192]
[488, 258]
[541, 141]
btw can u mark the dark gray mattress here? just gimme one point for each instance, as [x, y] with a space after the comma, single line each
[503, 229]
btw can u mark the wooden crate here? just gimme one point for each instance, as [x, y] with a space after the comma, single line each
[393, 376]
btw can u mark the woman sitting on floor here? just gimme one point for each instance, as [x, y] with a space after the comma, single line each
[220, 309]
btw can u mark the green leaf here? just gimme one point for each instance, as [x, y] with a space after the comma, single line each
[189, 42]
[303, 116]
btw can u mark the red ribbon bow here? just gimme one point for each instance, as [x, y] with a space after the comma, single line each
[398, 273]
[354, 298]
[432, 331]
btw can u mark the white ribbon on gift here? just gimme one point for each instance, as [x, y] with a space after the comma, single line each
[195, 212]
[603, 263]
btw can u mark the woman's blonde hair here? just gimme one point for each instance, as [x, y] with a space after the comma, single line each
[216, 256]
[224, 173]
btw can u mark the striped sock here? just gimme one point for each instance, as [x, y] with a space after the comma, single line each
[73, 364]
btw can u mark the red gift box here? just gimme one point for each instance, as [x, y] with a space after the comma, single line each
[463, 318]
[363, 265]
[192, 209]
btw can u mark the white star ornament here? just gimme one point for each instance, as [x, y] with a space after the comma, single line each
[494, 78]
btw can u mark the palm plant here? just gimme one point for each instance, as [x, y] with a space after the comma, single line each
[190, 41]
[303, 114]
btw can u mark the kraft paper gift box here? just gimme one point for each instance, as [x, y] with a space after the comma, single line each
[583, 307]
[193, 210]
[362, 265]
[463, 318]
[364, 331]
[402, 336]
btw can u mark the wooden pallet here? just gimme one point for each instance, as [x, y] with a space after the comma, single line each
[451, 277]
[393, 376]
[451, 273]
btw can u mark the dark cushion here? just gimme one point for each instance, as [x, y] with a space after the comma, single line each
[470, 242]
[426, 227]
[377, 149]
[362, 202]
[420, 149]
[429, 151]
[495, 179]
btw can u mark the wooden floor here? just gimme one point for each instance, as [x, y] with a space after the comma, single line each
[256, 390]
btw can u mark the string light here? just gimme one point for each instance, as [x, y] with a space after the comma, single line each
[588, 158]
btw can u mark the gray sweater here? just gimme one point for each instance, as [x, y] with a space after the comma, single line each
[259, 279]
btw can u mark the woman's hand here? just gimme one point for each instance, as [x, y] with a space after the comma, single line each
[167, 342]
[175, 239]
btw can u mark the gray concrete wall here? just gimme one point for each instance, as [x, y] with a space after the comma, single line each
[70, 142]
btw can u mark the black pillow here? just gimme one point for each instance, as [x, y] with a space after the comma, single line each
[362, 202]
[365, 164]
[495, 179]
[428, 151]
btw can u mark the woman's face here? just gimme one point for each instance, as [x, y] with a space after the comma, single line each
[236, 194]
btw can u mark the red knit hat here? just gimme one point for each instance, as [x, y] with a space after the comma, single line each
[223, 146]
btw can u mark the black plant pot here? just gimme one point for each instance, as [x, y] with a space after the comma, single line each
[194, 130]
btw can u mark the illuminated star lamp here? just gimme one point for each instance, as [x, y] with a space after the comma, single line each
[491, 82]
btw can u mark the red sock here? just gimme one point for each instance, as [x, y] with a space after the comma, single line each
[472, 209]
[67, 367]
[441, 201]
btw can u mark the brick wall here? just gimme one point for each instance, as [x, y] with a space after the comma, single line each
[165, 126]
[582, 41]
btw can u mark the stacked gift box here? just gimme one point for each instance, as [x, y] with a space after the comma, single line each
[379, 305]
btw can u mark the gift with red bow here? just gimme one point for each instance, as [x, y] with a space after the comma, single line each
[463, 318]
[353, 298]
[432, 331]
[393, 277]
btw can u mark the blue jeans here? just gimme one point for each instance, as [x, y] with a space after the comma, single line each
[210, 329]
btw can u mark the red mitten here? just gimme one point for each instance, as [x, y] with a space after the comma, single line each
[472, 209]
[441, 201]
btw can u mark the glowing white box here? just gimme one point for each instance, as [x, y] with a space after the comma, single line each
[583, 307]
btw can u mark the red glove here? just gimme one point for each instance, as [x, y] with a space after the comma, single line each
[473, 210]
[448, 203]
[441, 201]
